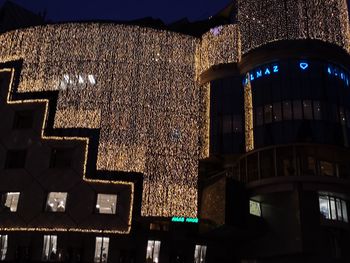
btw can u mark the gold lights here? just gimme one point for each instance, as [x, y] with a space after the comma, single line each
[248, 112]
[262, 22]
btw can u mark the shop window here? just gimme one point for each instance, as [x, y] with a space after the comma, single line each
[23, 119]
[287, 110]
[227, 124]
[49, 248]
[56, 202]
[307, 108]
[333, 208]
[342, 116]
[101, 249]
[61, 157]
[317, 110]
[254, 208]
[15, 159]
[153, 250]
[200, 254]
[277, 111]
[327, 168]
[3, 244]
[106, 204]
[310, 165]
[268, 113]
[10, 201]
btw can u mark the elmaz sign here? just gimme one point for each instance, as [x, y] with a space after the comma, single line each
[265, 71]
[179, 219]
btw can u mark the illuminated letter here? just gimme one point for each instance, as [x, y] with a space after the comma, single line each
[258, 74]
[275, 68]
[329, 70]
[267, 71]
[251, 77]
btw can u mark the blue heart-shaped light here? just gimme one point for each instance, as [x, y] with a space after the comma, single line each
[304, 65]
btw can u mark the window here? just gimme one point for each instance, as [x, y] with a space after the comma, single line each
[49, 248]
[317, 110]
[101, 249]
[15, 159]
[23, 119]
[106, 204]
[237, 124]
[10, 201]
[3, 244]
[227, 124]
[297, 110]
[268, 113]
[61, 157]
[153, 249]
[254, 208]
[287, 110]
[326, 168]
[277, 111]
[259, 116]
[342, 116]
[56, 202]
[200, 253]
[307, 107]
[333, 208]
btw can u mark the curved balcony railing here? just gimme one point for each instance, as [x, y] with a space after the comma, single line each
[293, 160]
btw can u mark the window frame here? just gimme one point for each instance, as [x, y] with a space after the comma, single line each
[47, 205]
[333, 209]
[115, 205]
[100, 258]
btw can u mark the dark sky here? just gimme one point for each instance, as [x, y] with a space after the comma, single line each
[166, 10]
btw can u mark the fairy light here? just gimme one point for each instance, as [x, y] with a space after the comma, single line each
[248, 112]
[218, 46]
[143, 92]
[263, 22]
[10, 101]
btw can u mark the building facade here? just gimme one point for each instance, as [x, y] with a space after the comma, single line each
[126, 143]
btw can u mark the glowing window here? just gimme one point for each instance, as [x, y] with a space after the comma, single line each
[101, 249]
[10, 201]
[49, 248]
[333, 208]
[106, 204]
[153, 250]
[327, 168]
[254, 208]
[3, 246]
[200, 254]
[56, 202]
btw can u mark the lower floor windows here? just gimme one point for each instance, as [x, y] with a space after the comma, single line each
[56, 202]
[49, 248]
[333, 208]
[200, 254]
[101, 249]
[3, 247]
[254, 208]
[153, 250]
[10, 201]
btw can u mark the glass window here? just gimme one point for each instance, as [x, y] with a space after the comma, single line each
[268, 113]
[297, 110]
[307, 107]
[259, 116]
[56, 202]
[49, 248]
[3, 244]
[277, 111]
[333, 208]
[348, 118]
[23, 119]
[287, 110]
[317, 110]
[324, 207]
[101, 249]
[237, 124]
[106, 204]
[153, 250]
[342, 116]
[10, 201]
[254, 208]
[200, 254]
[61, 158]
[326, 168]
[227, 124]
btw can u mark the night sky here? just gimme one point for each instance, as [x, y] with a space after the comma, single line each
[167, 10]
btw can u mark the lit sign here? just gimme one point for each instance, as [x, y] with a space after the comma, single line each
[178, 219]
[337, 72]
[262, 72]
[304, 65]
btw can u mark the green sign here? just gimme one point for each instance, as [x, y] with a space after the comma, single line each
[179, 219]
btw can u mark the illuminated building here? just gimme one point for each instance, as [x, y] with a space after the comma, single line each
[131, 143]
